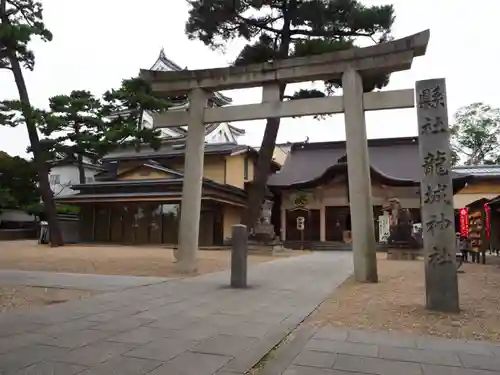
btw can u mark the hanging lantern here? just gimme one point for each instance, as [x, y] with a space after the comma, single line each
[487, 221]
[464, 222]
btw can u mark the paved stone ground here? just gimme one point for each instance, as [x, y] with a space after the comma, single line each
[195, 326]
[330, 351]
[75, 280]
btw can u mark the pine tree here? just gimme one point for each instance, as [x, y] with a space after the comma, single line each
[123, 111]
[20, 21]
[71, 128]
[83, 127]
[277, 29]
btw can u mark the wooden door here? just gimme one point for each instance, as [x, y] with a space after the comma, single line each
[336, 219]
[206, 233]
[170, 223]
[101, 223]
[155, 224]
[129, 224]
[117, 223]
[143, 219]
[218, 227]
[314, 225]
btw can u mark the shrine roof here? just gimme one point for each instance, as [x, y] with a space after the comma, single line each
[396, 160]
[209, 128]
[165, 64]
[495, 202]
[168, 187]
[482, 171]
[174, 148]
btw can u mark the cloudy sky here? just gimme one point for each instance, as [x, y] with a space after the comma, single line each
[99, 42]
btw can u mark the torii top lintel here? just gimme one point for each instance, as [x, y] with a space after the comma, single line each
[382, 58]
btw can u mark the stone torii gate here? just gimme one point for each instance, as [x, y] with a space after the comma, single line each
[349, 65]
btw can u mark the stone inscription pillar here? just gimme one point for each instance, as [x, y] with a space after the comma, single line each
[191, 188]
[441, 284]
[360, 188]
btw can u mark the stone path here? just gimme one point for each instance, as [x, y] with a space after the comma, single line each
[330, 351]
[75, 280]
[195, 326]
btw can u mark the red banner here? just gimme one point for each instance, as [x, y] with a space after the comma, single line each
[487, 221]
[464, 222]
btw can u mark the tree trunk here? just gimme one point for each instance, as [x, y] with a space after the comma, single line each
[81, 169]
[258, 187]
[41, 165]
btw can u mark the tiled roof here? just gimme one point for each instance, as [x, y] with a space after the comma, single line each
[495, 202]
[219, 98]
[209, 128]
[171, 149]
[479, 170]
[393, 158]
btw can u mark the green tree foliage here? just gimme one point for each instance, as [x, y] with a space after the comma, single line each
[71, 128]
[82, 127]
[276, 29]
[18, 177]
[475, 135]
[123, 111]
[20, 22]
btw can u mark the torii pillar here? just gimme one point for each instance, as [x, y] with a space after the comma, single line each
[189, 228]
[360, 187]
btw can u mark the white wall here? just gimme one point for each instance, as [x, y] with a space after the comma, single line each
[222, 134]
[15, 215]
[147, 122]
[68, 175]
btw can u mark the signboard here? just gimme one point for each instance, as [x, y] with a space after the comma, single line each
[300, 199]
[487, 221]
[300, 223]
[383, 228]
[464, 222]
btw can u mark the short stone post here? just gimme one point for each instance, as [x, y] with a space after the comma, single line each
[239, 253]
[441, 284]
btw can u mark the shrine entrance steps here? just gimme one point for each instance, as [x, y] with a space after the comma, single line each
[324, 246]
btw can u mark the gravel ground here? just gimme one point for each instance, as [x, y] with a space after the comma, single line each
[112, 260]
[397, 303]
[24, 297]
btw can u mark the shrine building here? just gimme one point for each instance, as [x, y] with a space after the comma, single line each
[313, 184]
[136, 198]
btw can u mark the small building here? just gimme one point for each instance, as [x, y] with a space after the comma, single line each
[313, 184]
[64, 171]
[485, 184]
[137, 199]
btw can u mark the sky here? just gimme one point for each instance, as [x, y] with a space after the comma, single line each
[98, 43]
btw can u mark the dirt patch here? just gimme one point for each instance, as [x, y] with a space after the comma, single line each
[397, 303]
[28, 297]
[113, 260]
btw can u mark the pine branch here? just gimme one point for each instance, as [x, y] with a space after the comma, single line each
[263, 25]
[331, 34]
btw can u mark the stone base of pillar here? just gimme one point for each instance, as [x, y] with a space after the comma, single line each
[403, 254]
[187, 266]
